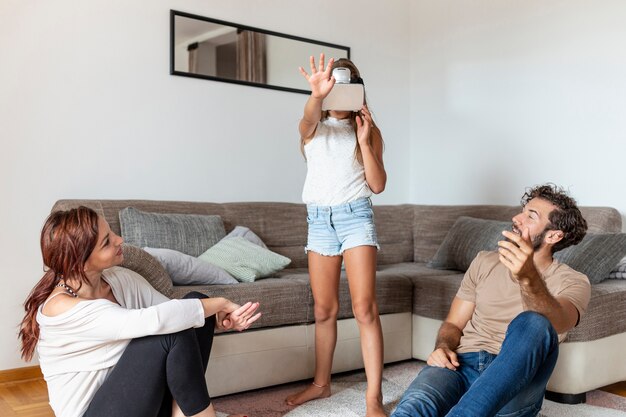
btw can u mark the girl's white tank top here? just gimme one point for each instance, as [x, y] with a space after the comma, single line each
[334, 175]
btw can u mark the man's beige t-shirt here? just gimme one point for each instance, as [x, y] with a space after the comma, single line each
[495, 292]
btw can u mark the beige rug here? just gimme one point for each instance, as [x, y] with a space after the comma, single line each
[348, 390]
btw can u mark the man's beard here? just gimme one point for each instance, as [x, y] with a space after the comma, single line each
[535, 241]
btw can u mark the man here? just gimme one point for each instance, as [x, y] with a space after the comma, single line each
[498, 346]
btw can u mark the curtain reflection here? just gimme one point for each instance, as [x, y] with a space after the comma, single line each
[251, 56]
[193, 57]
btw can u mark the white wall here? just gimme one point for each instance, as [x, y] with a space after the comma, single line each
[88, 110]
[283, 55]
[491, 97]
[508, 94]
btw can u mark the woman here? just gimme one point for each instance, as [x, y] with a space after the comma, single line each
[108, 343]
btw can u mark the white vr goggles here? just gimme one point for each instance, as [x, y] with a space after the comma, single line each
[347, 94]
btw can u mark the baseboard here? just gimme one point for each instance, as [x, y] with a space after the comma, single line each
[20, 374]
[566, 398]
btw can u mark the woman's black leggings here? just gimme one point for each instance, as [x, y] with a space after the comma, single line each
[153, 369]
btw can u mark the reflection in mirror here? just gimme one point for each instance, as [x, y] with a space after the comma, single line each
[202, 47]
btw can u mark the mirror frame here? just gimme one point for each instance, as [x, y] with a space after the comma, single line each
[173, 71]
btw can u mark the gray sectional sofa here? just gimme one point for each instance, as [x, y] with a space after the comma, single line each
[413, 298]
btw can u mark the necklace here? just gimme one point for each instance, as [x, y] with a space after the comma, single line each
[67, 288]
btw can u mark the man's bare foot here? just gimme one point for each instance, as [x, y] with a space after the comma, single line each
[312, 392]
[375, 408]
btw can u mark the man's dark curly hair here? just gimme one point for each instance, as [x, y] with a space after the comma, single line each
[566, 217]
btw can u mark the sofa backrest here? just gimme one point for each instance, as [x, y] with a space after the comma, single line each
[406, 232]
[281, 226]
[432, 223]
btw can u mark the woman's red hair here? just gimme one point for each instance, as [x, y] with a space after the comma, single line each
[67, 239]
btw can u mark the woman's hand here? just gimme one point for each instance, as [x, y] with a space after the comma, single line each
[320, 80]
[238, 318]
[363, 126]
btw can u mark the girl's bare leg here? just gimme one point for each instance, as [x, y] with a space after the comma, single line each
[361, 269]
[324, 272]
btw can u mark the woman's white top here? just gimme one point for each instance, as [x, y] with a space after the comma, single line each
[334, 175]
[78, 349]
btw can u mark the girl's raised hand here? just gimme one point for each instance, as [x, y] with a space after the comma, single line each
[363, 126]
[320, 80]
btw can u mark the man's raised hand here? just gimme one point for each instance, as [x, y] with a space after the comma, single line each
[517, 254]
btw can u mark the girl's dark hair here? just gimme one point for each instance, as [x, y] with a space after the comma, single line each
[566, 217]
[67, 240]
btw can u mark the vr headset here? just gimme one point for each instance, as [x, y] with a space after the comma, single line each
[348, 94]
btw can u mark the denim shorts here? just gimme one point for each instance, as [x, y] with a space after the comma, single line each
[334, 229]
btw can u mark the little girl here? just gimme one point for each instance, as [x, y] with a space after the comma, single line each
[344, 151]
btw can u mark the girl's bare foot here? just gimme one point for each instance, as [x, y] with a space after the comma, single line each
[375, 408]
[312, 392]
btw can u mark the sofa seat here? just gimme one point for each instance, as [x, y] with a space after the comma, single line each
[434, 291]
[393, 291]
[287, 298]
[285, 301]
[606, 314]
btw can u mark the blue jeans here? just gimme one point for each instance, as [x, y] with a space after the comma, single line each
[335, 229]
[512, 383]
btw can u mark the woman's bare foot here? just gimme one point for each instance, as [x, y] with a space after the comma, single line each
[312, 392]
[375, 408]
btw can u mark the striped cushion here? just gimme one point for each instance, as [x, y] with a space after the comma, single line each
[619, 272]
[244, 260]
[596, 255]
[466, 238]
[190, 234]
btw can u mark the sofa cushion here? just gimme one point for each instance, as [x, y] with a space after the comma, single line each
[191, 234]
[140, 261]
[466, 238]
[433, 293]
[619, 272]
[189, 270]
[246, 233]
[605, 315]
[283, 301]
[393, 291]
[281, 226]
[596, 255]
[432, 224]
[243, 259]
[394, 229]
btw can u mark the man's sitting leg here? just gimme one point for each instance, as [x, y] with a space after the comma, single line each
[516, 379]
[433, 392]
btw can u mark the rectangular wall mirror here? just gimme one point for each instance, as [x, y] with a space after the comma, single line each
[202, 47]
